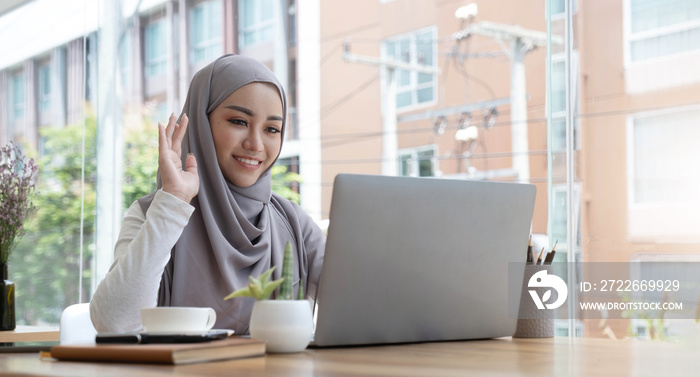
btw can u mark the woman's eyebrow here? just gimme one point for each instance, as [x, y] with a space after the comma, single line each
[250, 112]
[244, 110]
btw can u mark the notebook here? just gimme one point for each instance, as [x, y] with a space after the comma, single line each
[164, 353]
[420, 259]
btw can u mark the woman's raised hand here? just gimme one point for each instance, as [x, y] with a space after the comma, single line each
[183, 183]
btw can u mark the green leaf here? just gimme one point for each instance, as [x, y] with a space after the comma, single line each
[243, 292]
[265, 277]
[300, 295]
[287, 273]
[269, 288]
[255, 289]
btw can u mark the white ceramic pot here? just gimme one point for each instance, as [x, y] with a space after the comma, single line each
[286, 325]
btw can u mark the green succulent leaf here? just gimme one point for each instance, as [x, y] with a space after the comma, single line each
[256, 290]
[269, 288]
[243, 292]
[265, 277]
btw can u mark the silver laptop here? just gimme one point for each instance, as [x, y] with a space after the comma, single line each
[420, 259]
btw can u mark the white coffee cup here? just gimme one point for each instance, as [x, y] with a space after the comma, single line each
[173, 319]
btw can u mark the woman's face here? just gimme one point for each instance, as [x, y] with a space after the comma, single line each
[247, 131]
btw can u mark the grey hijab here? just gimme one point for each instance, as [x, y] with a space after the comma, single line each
[234, 231]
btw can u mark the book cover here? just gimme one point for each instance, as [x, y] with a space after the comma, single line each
[176, 354]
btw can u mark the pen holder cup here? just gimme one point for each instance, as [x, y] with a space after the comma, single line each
[533, 322]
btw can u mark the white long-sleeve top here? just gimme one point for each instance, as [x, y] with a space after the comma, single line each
[140, 255]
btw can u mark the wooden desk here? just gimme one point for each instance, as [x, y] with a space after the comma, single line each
[497, 357]
[30, 334]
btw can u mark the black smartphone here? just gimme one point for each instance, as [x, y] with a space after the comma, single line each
[150, 338]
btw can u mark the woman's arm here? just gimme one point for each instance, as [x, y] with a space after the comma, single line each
[140, 256]
[145, 241]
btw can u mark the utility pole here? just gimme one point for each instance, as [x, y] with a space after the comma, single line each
[521, 41]
[389, 67]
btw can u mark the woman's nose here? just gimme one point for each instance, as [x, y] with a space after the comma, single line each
[253, 141]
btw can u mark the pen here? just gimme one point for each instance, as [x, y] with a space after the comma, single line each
[550, 255]
[530, 258]
[539, 259]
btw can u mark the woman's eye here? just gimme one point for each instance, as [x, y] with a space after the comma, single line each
[273, 130]
[239, 122]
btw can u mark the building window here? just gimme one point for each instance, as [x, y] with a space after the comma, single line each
[256, 21]
[205, 32]
[17, 97]
[155, 48]
[665, 157]
[558, 101]
[125, 60]
[418, 162]
[44, 87]
[559, 204]
[660, 28]
[292, 23]
[413, 88]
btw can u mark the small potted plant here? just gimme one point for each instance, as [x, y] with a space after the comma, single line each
[286, 324]
[17, 187]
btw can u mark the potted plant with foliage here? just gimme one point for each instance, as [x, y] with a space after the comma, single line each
[17, 186]
[286, 323]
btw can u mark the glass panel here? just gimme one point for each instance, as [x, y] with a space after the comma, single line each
[405, 165]
[403, 99]
[666, 45]
[416, 48]
[155, 48]
[424, 95]
[666, 158]
[248, 14]
[558, 87]
[44, 87]
[653, 14]
[425, 163]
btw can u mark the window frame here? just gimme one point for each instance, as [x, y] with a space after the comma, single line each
[412, 154]
[258, 27]
[414, 85]
[214, 39]
[629, 37]
[643, 217]
[149, 62]
[17, 105]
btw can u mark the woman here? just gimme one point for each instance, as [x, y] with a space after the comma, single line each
[215, 222]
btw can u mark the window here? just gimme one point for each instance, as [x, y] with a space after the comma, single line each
[559, 7]
[17, 97]
[418, 162]
[558, 101]
[559, 204]
[155, 48]
[256, 21]
[413, 88]
[660, 28]
[205, 32]
[665, 157]
[44, 87]
[292, 23]
[125, 47]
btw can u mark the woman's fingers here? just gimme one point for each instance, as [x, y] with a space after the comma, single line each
[179, 134]
[191, 164]
[162, 140]
[170, 129]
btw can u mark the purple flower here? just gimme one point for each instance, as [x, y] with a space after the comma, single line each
[17, 186]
